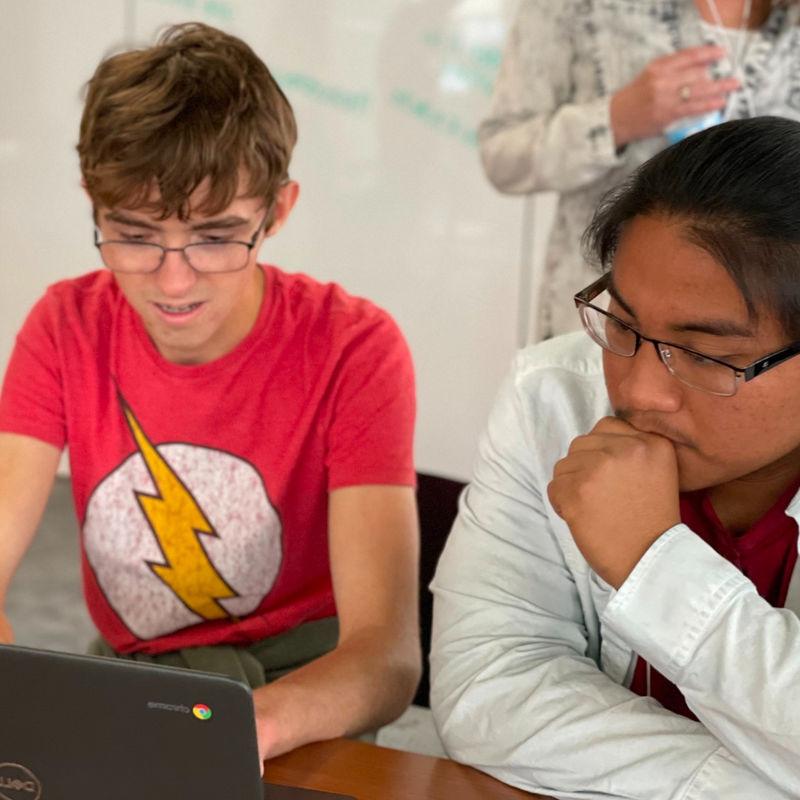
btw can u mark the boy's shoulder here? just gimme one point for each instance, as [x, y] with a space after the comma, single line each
[571, 354]
[302, 298]
[76, 302]
[93, 288]
[561, 385]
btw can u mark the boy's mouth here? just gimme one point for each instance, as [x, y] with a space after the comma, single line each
[183, 309]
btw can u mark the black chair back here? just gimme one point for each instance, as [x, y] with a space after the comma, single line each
[437, 500]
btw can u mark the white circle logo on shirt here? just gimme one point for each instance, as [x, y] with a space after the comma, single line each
[179, 534]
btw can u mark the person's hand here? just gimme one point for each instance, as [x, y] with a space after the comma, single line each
[669, 88]
[617, 489]
[6, 632]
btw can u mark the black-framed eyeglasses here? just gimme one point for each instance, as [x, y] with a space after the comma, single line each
[698, 370]
[206, 257]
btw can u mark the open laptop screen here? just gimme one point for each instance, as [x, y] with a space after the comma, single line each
[81, 727]
[95, 728]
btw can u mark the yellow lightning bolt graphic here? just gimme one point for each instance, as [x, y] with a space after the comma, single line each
[176, 520]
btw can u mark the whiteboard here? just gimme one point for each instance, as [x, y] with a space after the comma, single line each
[393, 205]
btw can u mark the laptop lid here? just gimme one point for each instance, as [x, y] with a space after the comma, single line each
[95, 728]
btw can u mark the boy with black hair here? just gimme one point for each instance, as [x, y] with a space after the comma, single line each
[616, 610]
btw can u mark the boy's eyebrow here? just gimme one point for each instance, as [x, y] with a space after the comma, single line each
[231, 221]
[614, 292]
[118, 216]
[713, 327]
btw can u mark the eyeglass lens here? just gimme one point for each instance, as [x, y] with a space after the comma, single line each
[146, 257]
[692, 369]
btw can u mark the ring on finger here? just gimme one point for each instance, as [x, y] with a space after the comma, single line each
[685, 93]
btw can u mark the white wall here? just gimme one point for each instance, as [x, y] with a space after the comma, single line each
[47, 51]
[394, 205]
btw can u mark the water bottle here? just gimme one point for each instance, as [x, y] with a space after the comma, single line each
[682, 128]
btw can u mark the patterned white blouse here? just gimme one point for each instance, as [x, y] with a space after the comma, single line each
[548, 126]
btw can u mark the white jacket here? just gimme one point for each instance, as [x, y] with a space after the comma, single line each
[532, 651]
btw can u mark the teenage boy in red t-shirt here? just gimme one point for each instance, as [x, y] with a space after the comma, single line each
[240, 438]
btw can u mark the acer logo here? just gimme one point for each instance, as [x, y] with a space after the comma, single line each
[18, 783]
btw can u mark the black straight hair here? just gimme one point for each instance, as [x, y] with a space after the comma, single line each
[735, 188]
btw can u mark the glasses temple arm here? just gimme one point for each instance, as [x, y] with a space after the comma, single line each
[771, 361]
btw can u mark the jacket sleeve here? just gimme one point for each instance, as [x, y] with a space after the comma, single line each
[515, 691]
[536, 137]
[701, 623]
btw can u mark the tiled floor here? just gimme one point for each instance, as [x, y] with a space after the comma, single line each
[46, 608]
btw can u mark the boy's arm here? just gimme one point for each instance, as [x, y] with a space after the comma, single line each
[696, 618]
[371, 676]
[689, 611]
[27, 469]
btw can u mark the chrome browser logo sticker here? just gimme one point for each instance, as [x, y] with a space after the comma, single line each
[201, 711]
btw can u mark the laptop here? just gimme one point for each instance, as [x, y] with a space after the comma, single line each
[83, 727]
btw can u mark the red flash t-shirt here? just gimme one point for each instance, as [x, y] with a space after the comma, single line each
[766, 554]
[202, 491]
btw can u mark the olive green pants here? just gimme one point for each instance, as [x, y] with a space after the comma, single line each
[254, 664]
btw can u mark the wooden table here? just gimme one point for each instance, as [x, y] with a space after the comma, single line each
[370, 772]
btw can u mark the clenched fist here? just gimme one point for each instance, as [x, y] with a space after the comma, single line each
[617, 489]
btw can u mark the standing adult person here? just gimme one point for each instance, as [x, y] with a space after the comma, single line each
[588, 89]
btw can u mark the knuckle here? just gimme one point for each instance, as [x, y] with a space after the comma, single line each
[554, 496]
[583, 491]
[576, 444]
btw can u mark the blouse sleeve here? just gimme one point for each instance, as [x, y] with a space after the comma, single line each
[536, 137]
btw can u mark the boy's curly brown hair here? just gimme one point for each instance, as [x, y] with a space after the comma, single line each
[199, 104]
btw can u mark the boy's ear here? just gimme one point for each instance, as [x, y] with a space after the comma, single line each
[284, 203]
